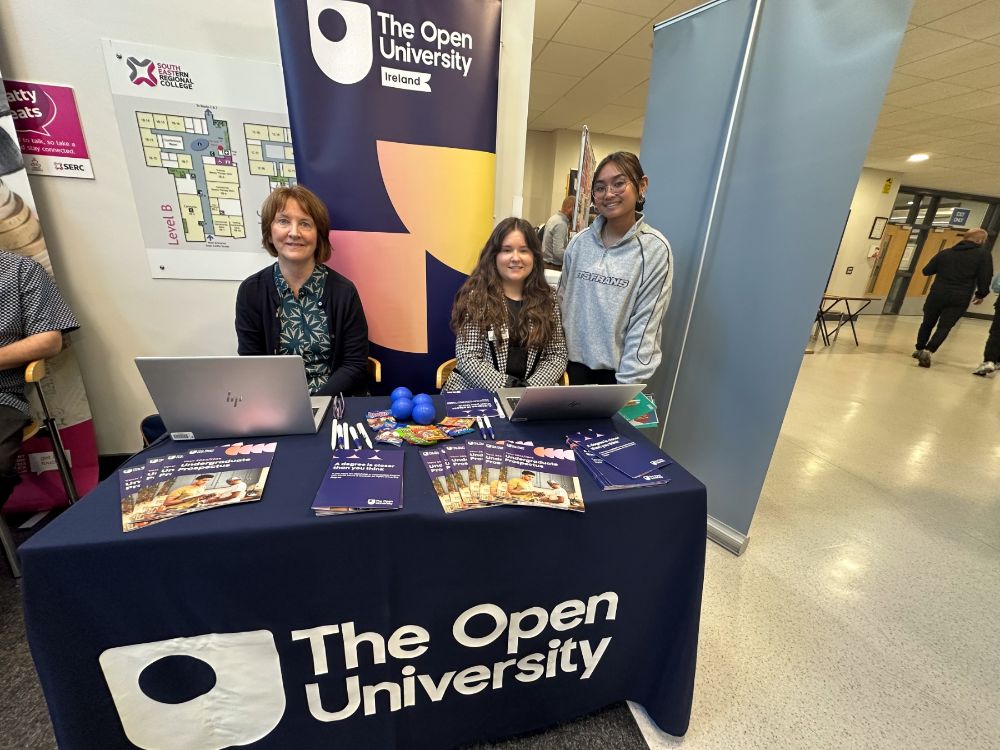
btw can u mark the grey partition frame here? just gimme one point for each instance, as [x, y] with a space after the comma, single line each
[757, 123]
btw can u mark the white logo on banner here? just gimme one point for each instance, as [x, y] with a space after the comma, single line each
[350, 59]
[405, 79]
[246, 703]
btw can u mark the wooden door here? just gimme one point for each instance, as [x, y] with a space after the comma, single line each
[893, 244]
[937, 240]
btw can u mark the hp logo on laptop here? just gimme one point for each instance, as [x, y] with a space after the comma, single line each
[233, 399]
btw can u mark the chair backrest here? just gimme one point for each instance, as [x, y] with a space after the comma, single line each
[445, 368]
[35, 371]
[375, 369]
[444, 372]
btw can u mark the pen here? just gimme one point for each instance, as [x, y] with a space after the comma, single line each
[346, 435]
[489, 427]
[499, 408]
[364, 433]
[354, 438]
[482, 428]
[334, 434]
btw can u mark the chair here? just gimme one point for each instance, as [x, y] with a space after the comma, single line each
[445, 368]
[375, 370]
[34, 373]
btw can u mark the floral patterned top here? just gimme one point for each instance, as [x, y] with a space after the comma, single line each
[305, 328]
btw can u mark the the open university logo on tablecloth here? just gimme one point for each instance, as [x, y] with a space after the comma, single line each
[247, 701]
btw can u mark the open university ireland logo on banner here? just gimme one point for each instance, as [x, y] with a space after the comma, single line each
[348, 59]
[343, 45]
[245, 704]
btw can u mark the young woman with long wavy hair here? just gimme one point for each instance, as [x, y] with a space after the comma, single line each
[508, 331]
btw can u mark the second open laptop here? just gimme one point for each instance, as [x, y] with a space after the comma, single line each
[566, 401]
[232, 397]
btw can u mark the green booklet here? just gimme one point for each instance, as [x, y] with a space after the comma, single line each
[640, 412]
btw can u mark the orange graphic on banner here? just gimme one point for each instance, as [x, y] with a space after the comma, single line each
[444, 197]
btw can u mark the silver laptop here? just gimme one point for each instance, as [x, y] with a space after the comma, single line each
[566, 401]
[230, 397]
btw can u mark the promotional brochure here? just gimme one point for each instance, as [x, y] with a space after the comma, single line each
[506, 473]
[175, 485]
[472, 403]
[361, 480]
[631, 457]
[641, 412]
[607, 474]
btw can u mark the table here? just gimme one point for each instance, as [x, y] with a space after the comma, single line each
[267, 593]
[827, 304]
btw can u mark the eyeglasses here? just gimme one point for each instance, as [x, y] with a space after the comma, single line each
[617, 187]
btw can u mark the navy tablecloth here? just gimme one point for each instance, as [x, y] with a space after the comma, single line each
[272, 568]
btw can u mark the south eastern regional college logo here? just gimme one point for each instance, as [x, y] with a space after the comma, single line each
[142, 72]
[343, 45]
[146, 72]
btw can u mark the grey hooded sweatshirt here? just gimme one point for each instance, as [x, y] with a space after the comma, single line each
[613, 300]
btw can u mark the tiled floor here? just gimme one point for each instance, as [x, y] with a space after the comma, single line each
[864, 613]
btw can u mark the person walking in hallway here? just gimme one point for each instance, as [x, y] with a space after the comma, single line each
[960, 272]
[991, 354]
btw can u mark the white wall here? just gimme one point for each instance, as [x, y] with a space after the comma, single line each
[869, 201]
[552, 155]
[91, 227]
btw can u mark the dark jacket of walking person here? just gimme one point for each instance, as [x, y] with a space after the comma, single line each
[960, 272]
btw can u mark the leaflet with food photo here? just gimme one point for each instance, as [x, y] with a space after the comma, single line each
[204, 478]
[541, 476]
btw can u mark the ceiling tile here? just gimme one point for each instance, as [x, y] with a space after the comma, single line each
[978, 78]
[649, 8]
[900, 118]
[568, 60]
[680, 6]
[606, 82]
[952, 62]
[922, 42]
[969, 105]
[978, 21]
[550, 15]
[635, 97]
[641, 45]
[599, 28]
[925, 11]
[548, 88]
[988, 114]
[631, 130]
[537, 45]
[564, 113]
[609, 118]
[925, 92]
[900, 81]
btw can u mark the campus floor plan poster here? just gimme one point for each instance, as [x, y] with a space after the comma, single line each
[206, 138]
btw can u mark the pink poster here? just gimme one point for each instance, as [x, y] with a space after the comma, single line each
[49, 129]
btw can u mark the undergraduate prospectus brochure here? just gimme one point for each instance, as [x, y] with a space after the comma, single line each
[201, 478]
[541, 476]
[361, 480]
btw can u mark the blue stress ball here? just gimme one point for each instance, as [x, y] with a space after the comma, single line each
[422, 398]
[402, 392]
[401, 409]
[423, 412]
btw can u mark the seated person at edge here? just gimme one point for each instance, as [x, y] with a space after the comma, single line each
[299, 305]
[615, 285]
[508, 332]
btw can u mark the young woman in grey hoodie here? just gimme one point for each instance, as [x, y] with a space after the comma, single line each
[615, 285]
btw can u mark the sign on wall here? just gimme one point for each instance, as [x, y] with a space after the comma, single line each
[49, 129]
[206, 138]
[393, 105]
[41, 487]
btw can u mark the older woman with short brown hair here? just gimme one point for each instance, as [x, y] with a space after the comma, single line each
[299, 306]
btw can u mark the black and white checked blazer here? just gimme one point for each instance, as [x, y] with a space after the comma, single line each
[482, 360]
